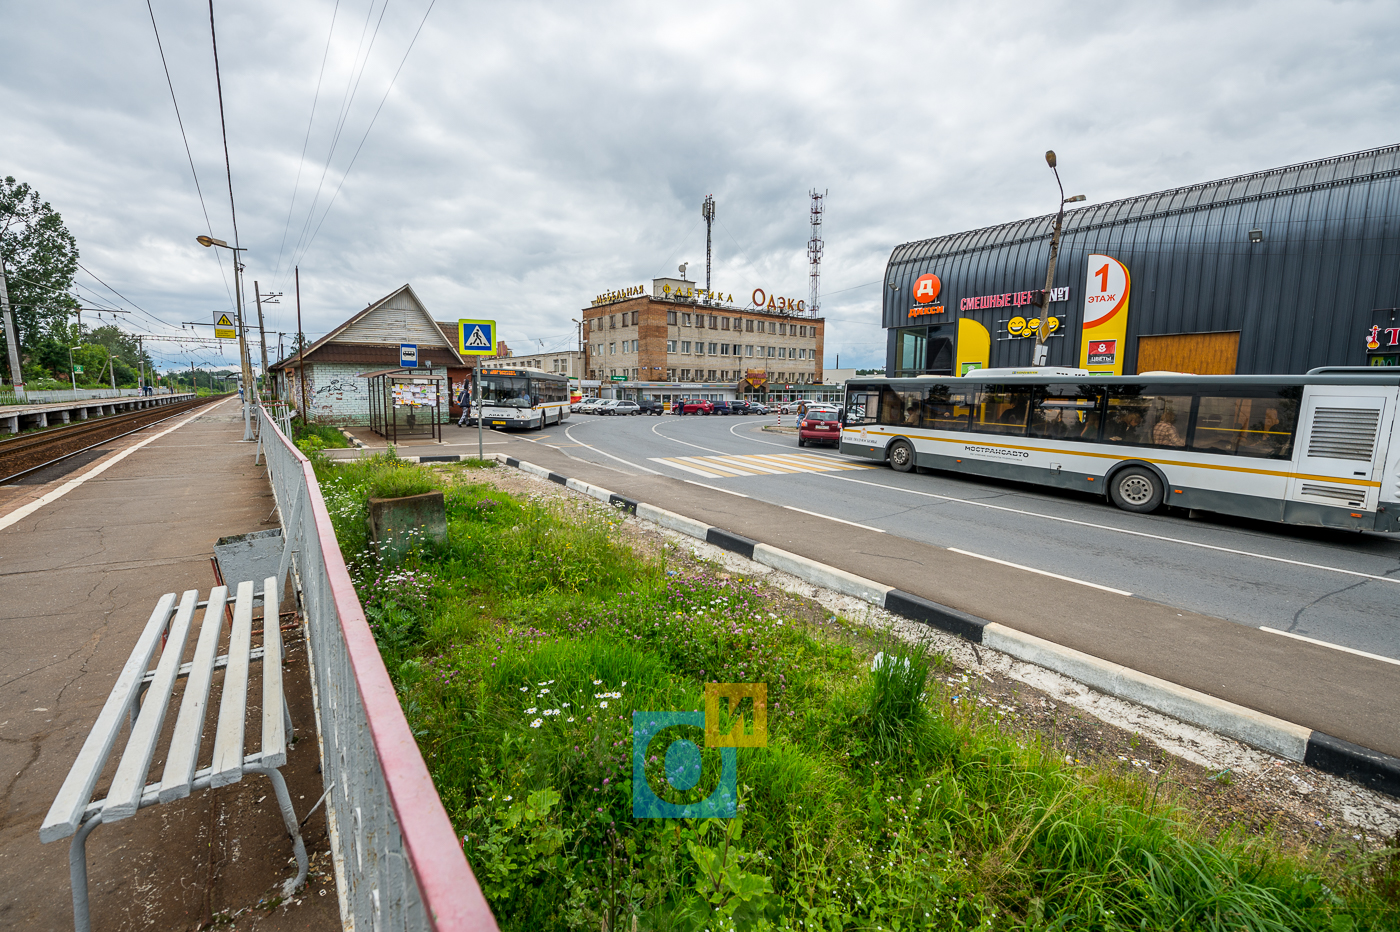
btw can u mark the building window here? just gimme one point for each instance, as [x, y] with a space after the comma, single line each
[802, 331]
[592, 373]
[782, 352]
[724, 323]
[714, 322]
[612, 372]
[738, 322]
[714, 349]
[724, 349]
[685, 319]
[771, 352]
[685, 346]
[670, 346]
[634, 318]
[612, 321]
[802, 354]
[671, 318]
[634, 373]
[685, 375]
[670, 375]
[700, 321]
[782, 329]
[772, 327]
[748, 326]
[612, 349]
[712, 376]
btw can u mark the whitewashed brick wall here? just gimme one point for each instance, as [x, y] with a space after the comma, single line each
[338, 396]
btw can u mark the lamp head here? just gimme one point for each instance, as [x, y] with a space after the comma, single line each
[207, 241]
[1075, 199]
[1050, 157]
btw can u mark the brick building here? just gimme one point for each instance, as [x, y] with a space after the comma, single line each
[680, 334]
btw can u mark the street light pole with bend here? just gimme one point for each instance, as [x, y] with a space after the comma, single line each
[248, 386]
[1042, 351]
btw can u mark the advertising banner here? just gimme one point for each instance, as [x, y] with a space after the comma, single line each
[1105, 316]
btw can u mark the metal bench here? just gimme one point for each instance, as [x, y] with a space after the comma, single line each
[141, 697]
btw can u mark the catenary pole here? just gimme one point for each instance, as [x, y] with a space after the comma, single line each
[301, 353]
[262, 332]
[16, 372]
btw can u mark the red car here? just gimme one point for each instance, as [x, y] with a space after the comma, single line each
[693, 406]
[821, 427]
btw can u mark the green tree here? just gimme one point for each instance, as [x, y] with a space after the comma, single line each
[41, 258]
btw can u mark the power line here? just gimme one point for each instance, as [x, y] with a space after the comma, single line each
[228, 165]
[180, 120]
[392, 81]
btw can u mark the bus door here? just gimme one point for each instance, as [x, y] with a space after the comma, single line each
[1339, 444]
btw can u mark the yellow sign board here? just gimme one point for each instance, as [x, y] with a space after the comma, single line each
[223, 328]
[1105, 316]
[476, 337]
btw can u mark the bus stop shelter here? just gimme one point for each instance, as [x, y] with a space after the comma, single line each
[405, 405]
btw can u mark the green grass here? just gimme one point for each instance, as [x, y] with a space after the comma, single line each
[330, 437]
[522, 646]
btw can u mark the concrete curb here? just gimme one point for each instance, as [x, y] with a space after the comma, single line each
[1377, 771]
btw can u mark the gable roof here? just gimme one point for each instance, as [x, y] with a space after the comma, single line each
[398, 317]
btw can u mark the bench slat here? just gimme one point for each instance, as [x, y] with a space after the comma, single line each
[233, 704]
[274, 723]
[189, 726]
[72, 799]
[124, 798]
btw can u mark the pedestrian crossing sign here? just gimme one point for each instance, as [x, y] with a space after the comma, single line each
[476, 337]
[223, 327]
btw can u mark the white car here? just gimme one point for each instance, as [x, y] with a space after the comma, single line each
[604, 406]
[589, 406]
[789, 408]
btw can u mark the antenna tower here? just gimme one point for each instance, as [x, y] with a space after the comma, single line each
[814, 254]
[708, 212]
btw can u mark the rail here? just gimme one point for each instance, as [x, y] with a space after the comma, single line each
[399, 863]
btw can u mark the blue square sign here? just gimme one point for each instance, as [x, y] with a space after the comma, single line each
[408, 355]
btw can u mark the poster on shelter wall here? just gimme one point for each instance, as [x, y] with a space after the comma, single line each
[410, 395]
[1105, 316]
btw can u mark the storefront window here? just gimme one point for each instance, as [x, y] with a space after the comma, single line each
[909, 351]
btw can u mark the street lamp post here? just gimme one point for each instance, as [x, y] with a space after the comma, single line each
[1042, 350]
[248, 385]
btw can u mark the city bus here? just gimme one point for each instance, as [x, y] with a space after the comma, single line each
[529, 398]
[1321, 449]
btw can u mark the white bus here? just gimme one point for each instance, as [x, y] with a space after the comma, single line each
[1320, 449]
[528, 398]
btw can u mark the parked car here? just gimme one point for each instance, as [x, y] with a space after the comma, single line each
[757, 407]
[651, 406]
[693, 406]
[819, 426]
[789, 407]
[744, 406]
[622, 407]
[602, 406]
[725, 407]
[577, 405]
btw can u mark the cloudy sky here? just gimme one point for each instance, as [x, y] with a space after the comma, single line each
[529, 156]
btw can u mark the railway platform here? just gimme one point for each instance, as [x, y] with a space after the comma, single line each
[84, 555]
[14, 418]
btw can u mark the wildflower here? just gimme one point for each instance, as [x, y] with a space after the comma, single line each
[604, 703]
[537, 723]
[509, 798]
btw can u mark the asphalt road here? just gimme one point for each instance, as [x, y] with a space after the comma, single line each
[1337, 587]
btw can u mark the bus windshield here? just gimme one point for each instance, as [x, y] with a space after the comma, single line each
[508, 391]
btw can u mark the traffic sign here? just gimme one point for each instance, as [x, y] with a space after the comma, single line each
[78, 370]
[223, 327]
[408, 355]
[476, 337]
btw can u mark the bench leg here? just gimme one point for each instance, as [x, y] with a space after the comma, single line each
[289, 818]
[77, 874]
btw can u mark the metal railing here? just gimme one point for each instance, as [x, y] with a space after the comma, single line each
[399, 863]
[48, 396]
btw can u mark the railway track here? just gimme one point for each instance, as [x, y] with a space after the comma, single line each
[31, 452]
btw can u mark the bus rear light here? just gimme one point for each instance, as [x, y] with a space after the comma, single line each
[1356, 514]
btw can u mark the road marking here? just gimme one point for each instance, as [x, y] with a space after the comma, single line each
[19, 514]
[830, 518]
[698, 472]
[759, 464]
[715, 487]
[1119, 530]
[1031, 569]
[607, 454]
[1349, 650]
[683, 442]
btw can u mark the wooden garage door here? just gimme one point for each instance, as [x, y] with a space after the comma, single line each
[1197, 353]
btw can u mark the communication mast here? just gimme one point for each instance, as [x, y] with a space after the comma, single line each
[708, 212]
[814, 254]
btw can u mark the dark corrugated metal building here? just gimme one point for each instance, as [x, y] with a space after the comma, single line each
[1205, 297]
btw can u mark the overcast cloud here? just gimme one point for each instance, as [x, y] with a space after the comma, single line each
[530, 156]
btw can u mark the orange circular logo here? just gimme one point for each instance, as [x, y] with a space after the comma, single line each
[926, 288]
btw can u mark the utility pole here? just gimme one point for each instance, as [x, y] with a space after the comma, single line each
[141, 361]
[1042, 350]
[301, 353]
[271, 298]
[708, 212]
[194, 382]
[16, 373]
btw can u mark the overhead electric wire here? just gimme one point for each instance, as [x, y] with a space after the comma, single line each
[223, 125]
[382, 100]
[180, 120]
[315, 99]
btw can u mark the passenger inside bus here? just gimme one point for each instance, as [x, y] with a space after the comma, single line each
[1164, 432]
[1126, 426]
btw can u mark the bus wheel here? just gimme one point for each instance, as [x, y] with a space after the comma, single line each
[901, 456]
[1136, 489]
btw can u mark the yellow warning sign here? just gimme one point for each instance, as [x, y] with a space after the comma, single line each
[223, 328]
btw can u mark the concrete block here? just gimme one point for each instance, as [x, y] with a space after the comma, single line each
[396, 525]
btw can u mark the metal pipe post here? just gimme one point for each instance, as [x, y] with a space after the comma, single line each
[301, 353]
[262, 333]
[16, 370]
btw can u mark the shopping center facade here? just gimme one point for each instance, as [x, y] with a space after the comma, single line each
[1276, 271]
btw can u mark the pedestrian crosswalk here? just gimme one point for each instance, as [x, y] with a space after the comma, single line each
[758, 464]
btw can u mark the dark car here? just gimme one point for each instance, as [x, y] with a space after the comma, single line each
[725, 407]
[820, 426]
[693, 406]
[651, 406]
[743, 406]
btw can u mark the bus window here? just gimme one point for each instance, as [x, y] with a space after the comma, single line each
[1066, 412]
[1252, 426]
[945, 409]
[1001, 409]
[861, 407]
[900, 409]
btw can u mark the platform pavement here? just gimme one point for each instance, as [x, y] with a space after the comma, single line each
[80, 576]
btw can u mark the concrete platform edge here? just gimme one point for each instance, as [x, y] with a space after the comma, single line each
[1378, 771]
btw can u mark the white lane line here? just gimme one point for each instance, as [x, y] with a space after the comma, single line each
[1031, 569]
[1349, 650]
[715, 487]
[1119, 530]
[19, 514]
[830, 518]
[607, 454]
